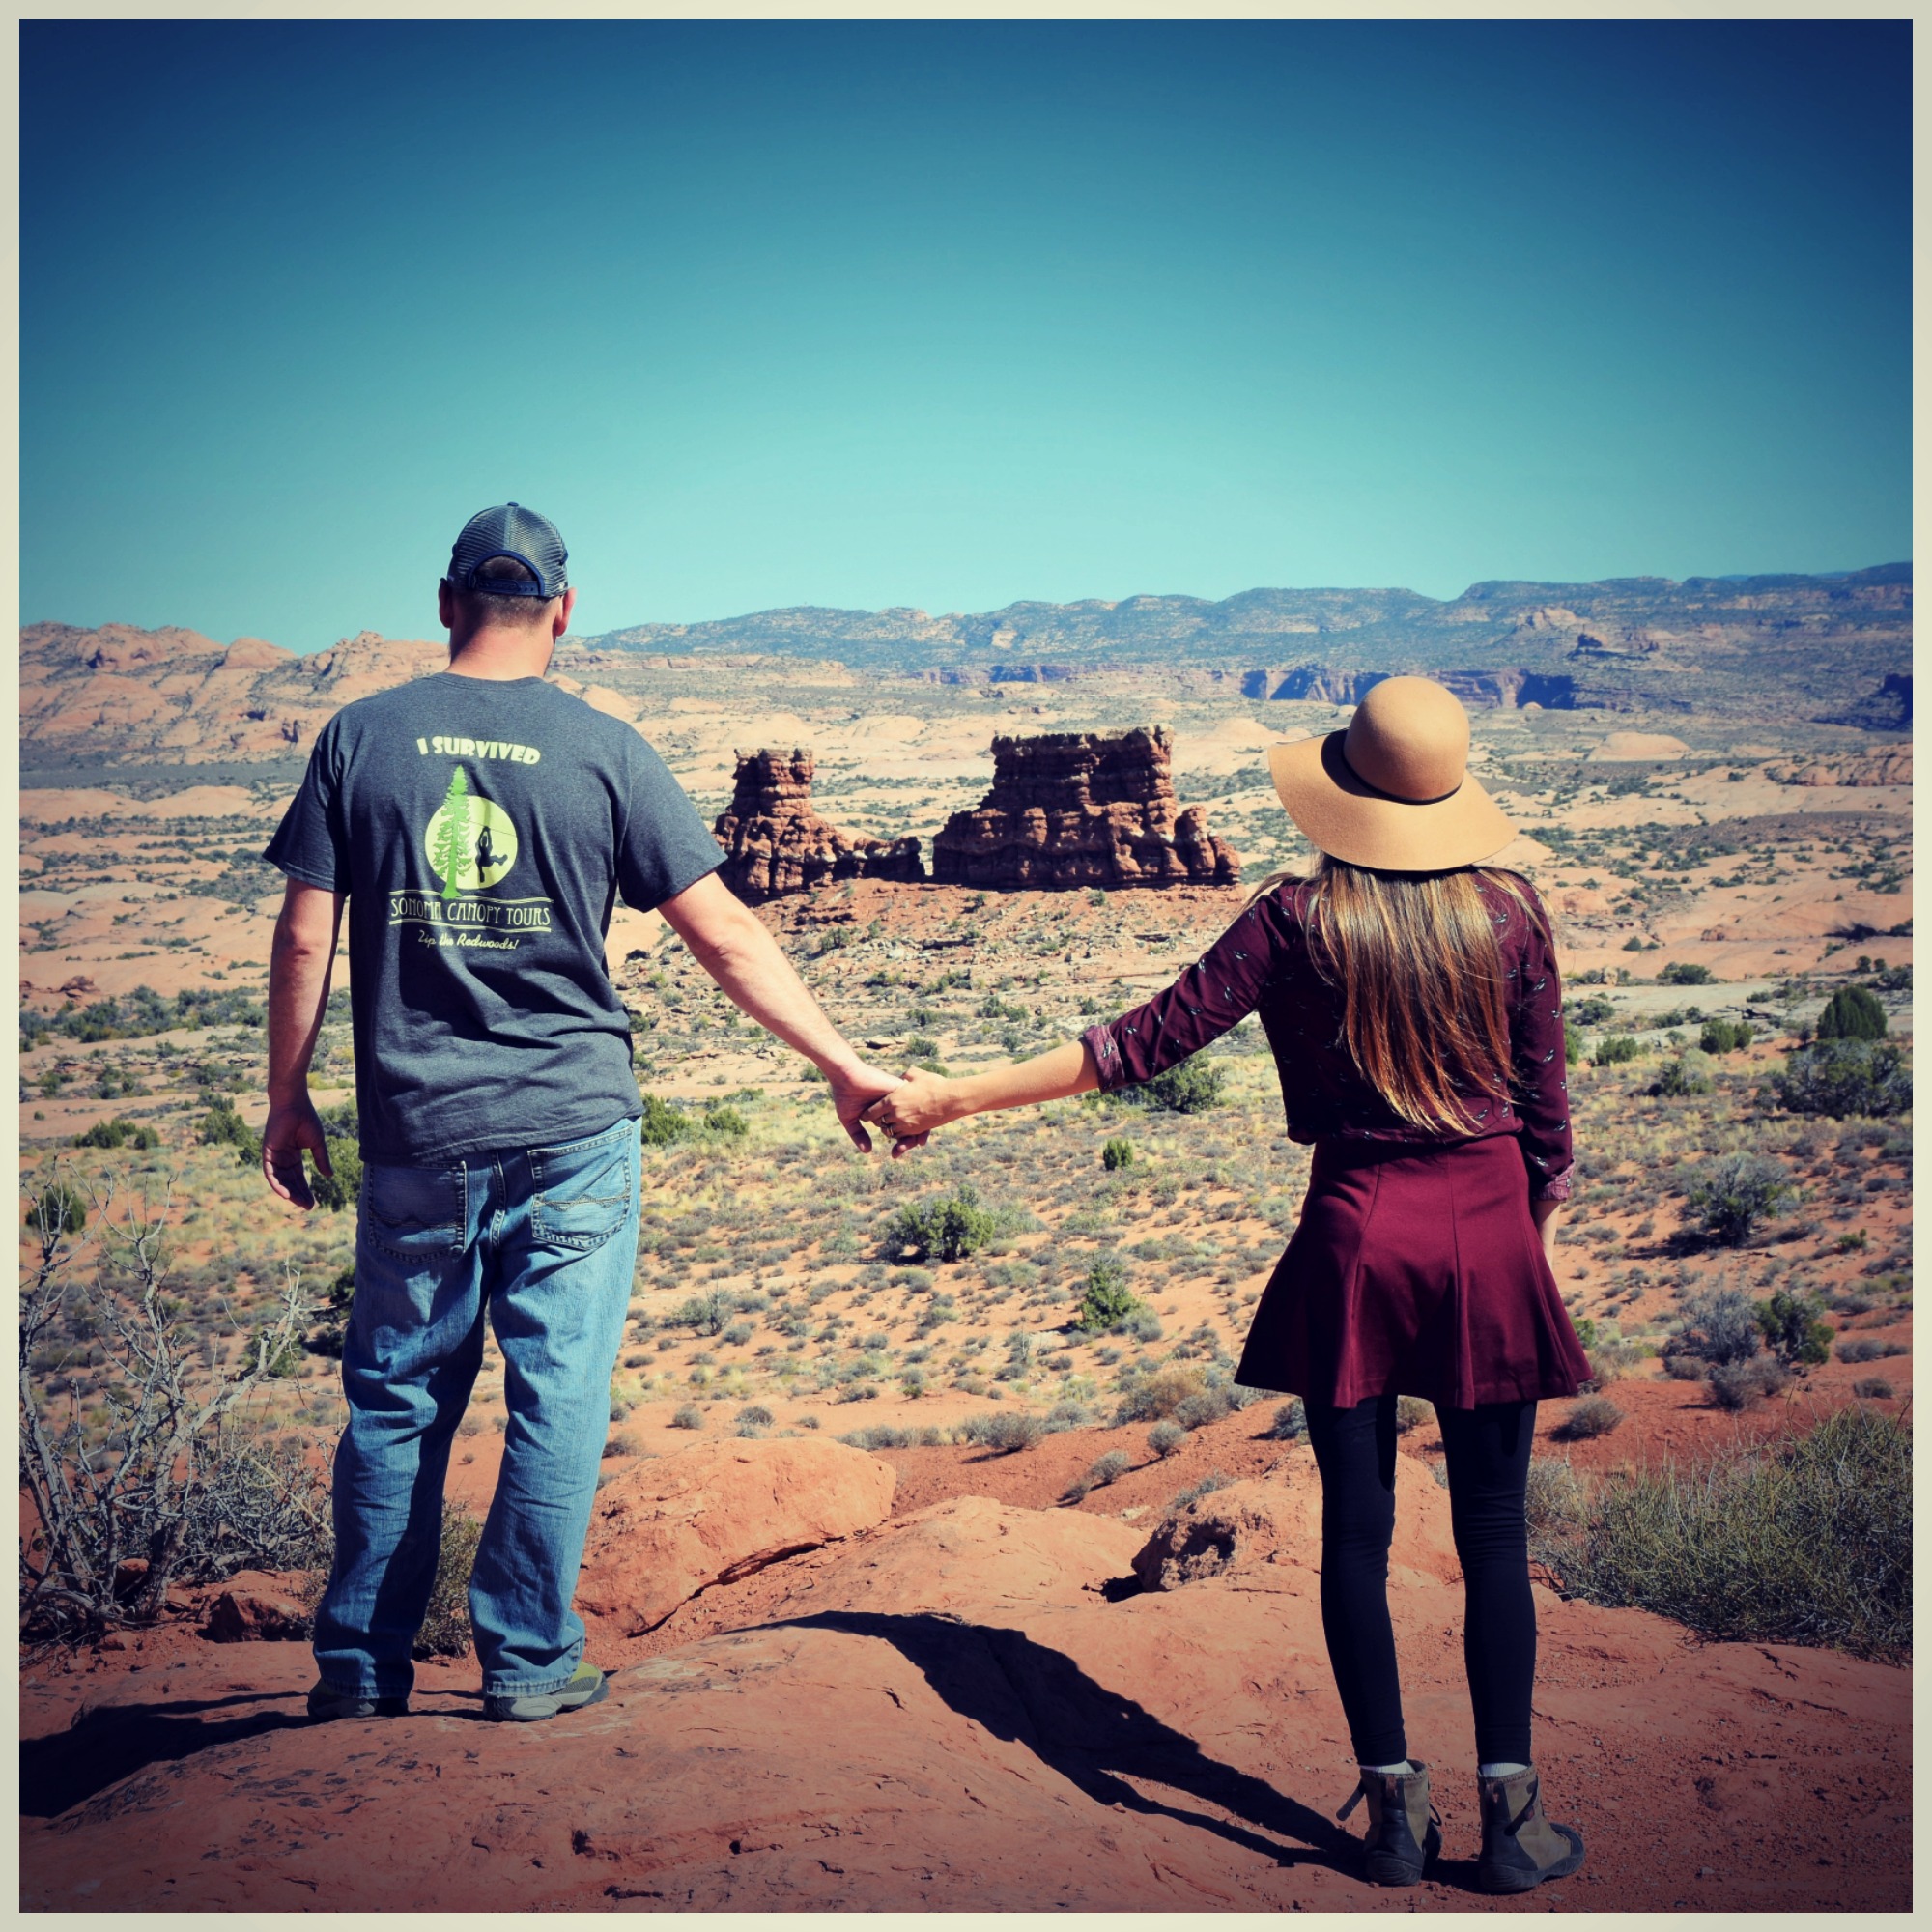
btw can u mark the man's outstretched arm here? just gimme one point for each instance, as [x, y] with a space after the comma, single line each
[731, 944]
[298, 970]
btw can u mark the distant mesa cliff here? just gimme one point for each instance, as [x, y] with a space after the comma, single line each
[1731, 645]
[776, 843]
[1507, 690]
[1082, 809]
[1760, 646]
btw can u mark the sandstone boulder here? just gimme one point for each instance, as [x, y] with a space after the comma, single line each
[1277, 1519]
[1083, 808]
[666, 1528]
[776, 843]
[257, 1606]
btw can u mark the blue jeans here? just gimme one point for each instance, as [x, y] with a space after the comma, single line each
[542, 1241]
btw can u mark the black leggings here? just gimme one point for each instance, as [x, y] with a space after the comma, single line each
[1488, 1453]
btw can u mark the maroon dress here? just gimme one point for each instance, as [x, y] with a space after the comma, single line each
[1416, 1266]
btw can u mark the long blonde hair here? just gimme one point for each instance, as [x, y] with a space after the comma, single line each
[1415, 955]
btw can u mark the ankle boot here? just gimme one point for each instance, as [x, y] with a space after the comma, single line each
[1521, 1846]
[1403, 1833]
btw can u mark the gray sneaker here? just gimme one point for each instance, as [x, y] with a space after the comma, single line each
[325, 1704]
[590, 1686]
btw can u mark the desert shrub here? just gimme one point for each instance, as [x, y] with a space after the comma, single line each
[1726, 1036]
[1291, 1421]
[1593, 1415]
[882, 1435]
[1684, 973]
[1191, 1087]
[1611, 1359]
[622, 1443]
[1719, 1325]
[1688, 1074]
[1852, 1012]
[1869, 1349]
[1065, 1415]
[948, 1230]
[726, 1121]
[1683, 1368]
[1197, 1410]
[1117, 1154]
[58, 1209]
[115, 1133]
[1003, 1431]
[688, 1416]
[665, 1126]
[176, 1471]
[222, 1126]
[342, 1188]
[1735, 1192]
[1873, 1388]
[1214, 1479]
[1165, 1438]
[1144, 1325]
[1106, 1303]
[704, 1314]
[1792, 1328]
[1841, 1077]
[1110, 1467]
[1811, 1543]
[1152, 1396]
[754, 1415]
[1411, 1412]
[445, 1626]
[1555, 1503]
[1735, 1385]
[1614, 1048]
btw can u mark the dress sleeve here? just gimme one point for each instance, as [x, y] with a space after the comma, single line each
[1536, 1042]
[1220, 988]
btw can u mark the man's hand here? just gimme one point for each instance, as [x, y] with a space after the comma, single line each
[855, 1089]
[291, 1126]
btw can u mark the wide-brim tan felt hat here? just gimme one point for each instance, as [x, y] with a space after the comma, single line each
[1392, 793]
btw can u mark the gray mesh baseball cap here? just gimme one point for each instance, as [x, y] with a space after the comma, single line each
[509, 530]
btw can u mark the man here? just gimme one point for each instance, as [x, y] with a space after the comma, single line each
[480, 823]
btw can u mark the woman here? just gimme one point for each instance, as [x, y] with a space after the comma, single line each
[1412, 1000]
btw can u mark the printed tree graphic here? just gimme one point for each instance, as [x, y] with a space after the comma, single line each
[452, 838]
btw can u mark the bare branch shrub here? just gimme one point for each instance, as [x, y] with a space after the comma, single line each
[160, 1481]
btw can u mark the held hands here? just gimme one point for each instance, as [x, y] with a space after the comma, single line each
[291, 1126]
[854, 1091]
[914, 1109]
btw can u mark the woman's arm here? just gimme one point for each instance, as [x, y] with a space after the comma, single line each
[1218, 990]
[928, 1100]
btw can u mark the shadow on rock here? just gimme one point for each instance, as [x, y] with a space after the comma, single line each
[1024, 1692]
[106, 1746]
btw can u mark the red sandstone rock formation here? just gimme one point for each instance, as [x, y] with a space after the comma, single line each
[775, 843]
[1082, 809]
[1880, 768]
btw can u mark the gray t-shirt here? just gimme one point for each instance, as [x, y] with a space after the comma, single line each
[483, 831]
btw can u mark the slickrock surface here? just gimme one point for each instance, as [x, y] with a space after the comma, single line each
[776, 843]
[1082, 809]
[964, 1707]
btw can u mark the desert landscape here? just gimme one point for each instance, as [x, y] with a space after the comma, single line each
[940, 1560]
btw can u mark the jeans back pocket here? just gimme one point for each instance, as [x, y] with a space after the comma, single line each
[413, 1212]
[584, 1190]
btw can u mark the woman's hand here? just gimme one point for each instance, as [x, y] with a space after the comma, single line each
[911, 1112]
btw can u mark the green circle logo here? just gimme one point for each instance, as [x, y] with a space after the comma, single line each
[471, 841]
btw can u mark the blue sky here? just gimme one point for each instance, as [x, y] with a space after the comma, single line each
[952, 315]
